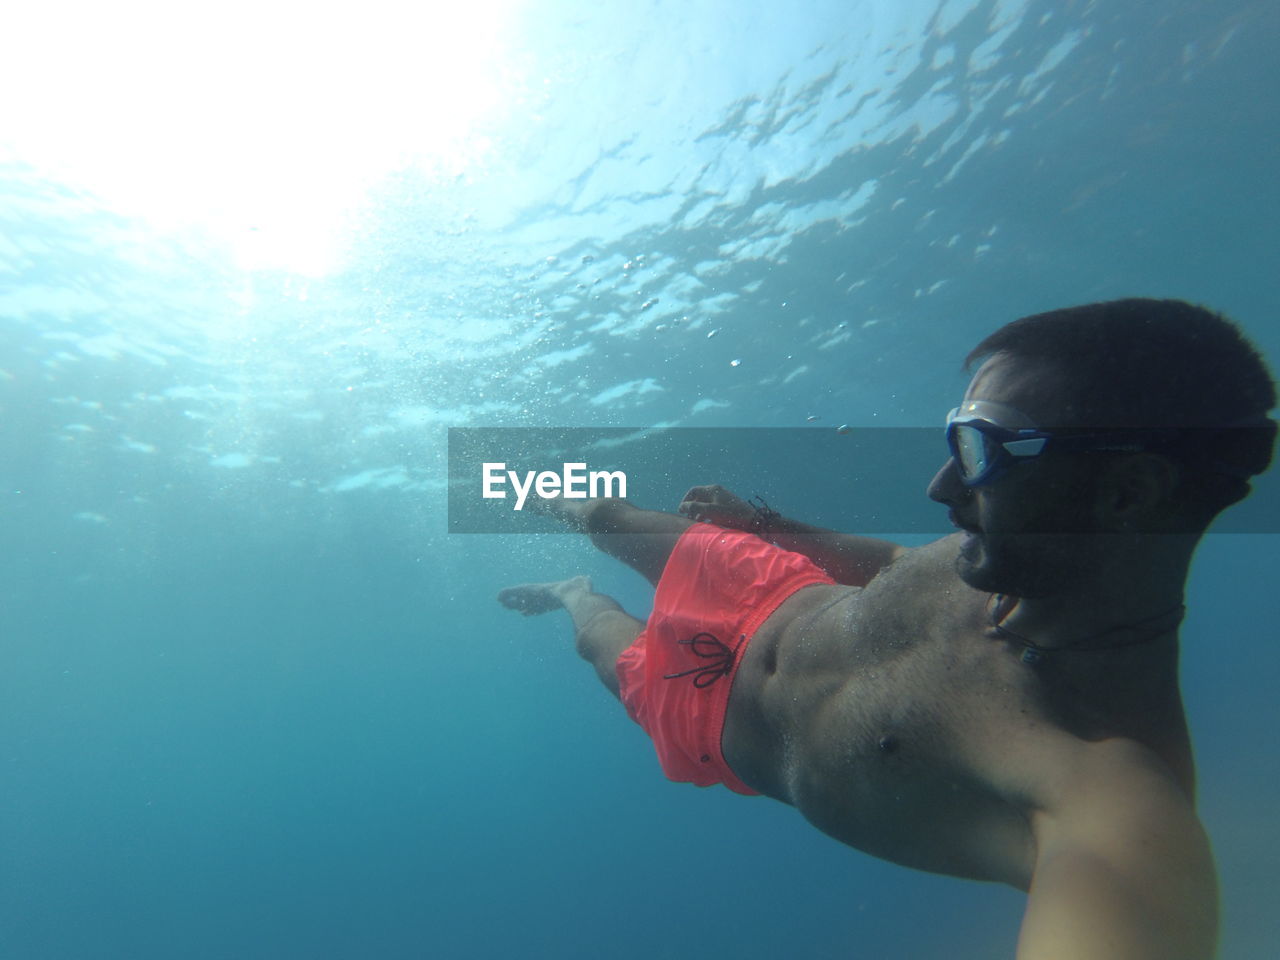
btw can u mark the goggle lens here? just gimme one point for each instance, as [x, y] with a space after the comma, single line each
[974, 450]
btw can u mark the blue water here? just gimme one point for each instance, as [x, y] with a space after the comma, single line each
[255, 702]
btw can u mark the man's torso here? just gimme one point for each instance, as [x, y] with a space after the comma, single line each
[895, 723]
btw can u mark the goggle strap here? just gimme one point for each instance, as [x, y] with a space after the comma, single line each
[1029, 447]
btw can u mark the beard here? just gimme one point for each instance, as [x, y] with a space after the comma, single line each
[1043, 540]
[1029, 565]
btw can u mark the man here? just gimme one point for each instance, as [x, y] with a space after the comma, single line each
[1001, 704]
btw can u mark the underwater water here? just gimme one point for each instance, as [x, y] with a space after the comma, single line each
[257, 702]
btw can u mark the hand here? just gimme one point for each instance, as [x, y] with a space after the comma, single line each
[714, 504]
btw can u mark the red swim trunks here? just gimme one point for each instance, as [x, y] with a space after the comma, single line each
[716, 590]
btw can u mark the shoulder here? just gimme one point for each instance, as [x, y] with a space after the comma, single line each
[1088, 773]
[1117, 838]
[1114, 795]
[1118, 801]
[933, 559]
[1051, 773]
[942, 547]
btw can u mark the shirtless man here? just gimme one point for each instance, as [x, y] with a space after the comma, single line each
[1001, 704]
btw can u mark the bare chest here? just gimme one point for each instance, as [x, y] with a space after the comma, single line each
[889, 745]
[893, 721]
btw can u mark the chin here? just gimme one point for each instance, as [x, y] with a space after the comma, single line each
[973, 564]
[981, 577]
[1027, 566]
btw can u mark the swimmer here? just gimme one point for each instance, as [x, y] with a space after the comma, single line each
[1002, 704]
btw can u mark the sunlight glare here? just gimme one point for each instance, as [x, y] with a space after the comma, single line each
[258, 124]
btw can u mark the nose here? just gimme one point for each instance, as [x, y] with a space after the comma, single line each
[946, 486]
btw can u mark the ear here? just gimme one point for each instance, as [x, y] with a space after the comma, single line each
[1135, 488]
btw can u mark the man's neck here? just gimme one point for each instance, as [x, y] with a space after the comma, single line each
[1117, 658]
[1090, 621]
[1139, 590]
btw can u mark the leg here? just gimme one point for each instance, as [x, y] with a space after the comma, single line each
[601, 628]
[642, 539]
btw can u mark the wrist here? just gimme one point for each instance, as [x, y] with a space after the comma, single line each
[764, 519]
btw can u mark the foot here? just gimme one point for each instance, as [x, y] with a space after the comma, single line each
[532, 598]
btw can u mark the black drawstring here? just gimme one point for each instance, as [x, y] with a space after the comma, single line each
[708, 647]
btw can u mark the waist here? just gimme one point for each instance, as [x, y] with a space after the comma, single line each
[756, 721]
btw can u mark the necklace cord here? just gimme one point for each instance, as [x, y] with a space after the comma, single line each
[1173, 615]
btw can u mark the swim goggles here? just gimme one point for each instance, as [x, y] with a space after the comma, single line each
[986, 439]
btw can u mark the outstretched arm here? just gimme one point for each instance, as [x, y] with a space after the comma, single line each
[847, 558]
[1123, 867]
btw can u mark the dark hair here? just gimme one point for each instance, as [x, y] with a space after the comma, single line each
[1142, 363]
